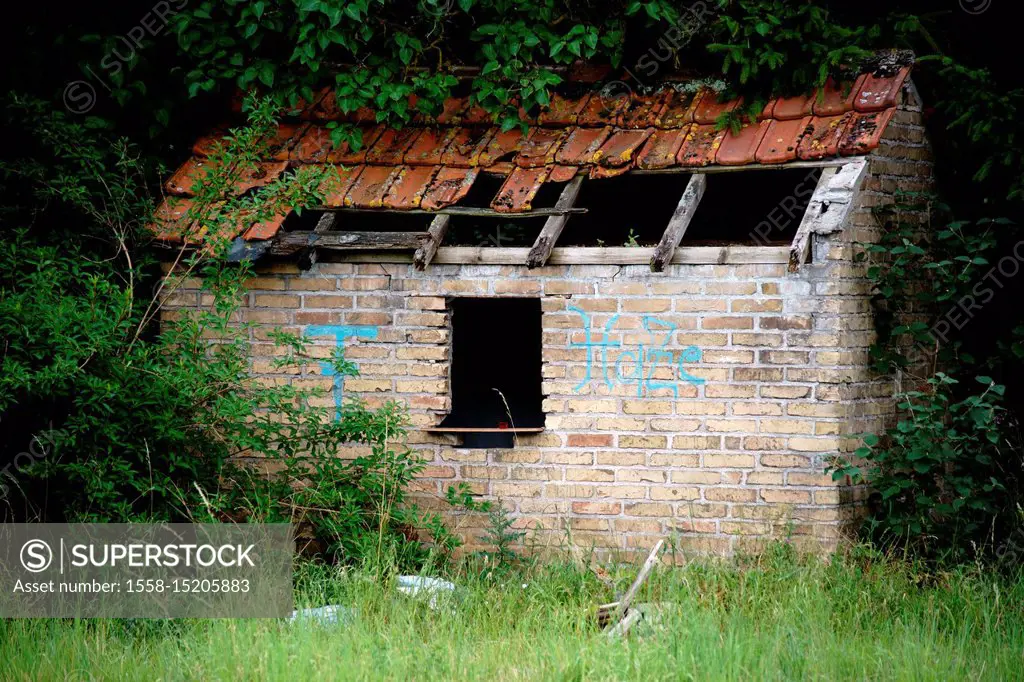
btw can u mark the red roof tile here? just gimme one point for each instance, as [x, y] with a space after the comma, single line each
[369, 188]
[407, 191]
[602, 132]
[448, 187]
[738, 149]
[519, 189]
[661, 148]
[781, 140]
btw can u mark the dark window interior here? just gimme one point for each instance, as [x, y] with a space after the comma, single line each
[752, 207]
[496, 364]
[630, 210]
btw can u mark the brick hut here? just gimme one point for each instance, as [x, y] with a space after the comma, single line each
[625, 322]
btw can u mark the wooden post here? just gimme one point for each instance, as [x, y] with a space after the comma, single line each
[437, 230]
[553, 226]
[308, 257]
[680, 220]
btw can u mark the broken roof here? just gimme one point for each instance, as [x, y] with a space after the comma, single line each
[600, 132]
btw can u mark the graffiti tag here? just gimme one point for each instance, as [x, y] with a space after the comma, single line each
[340, 333]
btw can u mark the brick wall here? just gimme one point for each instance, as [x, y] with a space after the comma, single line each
[725, 450]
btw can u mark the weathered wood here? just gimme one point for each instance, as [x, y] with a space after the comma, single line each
[290, 243]
[828, 207]
[307, 258]
[437, 230]
[457, 210]
[583, 255]
[554, 225]
[645, 571]
[679, 221]
[708, 170]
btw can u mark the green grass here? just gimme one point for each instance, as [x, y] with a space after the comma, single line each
[773, 617]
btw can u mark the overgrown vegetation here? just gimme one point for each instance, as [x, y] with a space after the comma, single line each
[171, 426]
[773, 617]
[85, 368]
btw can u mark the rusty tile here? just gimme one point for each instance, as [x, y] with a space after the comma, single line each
[407, 191]
[209, 143]
[769, 108]
[427, 149]
[880, 92]
[345, 154]
[781, 140]
[709, 108]
[864, 132]
[169, 219]
[564, 109]
[195, 169]
[599, 172]
[540, 147]
[790, 108]
[643, 111]
[369, 188]
[822, 136]
[700, 146]
[449, 186]
[452, 110]
[476, 115]
[581, 145]
[620, 148]
[739, 149]
[837, 98]
[562, 173]
[503, 146]
[327, 109]
[266, 229]
[519, 189]
[661, 149]
[603, 108]
[466, 146]
[283, 139]
[501, 168]
[679, 109]
[390, 147]
[314, 146]
[337, 183]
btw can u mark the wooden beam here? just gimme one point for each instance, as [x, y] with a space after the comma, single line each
[307, 258]
[458, 210]
[679, 221]
[708, 170]
[290, 243]
[828, 208]
[580, 255]
[541, 250]
[437, 230]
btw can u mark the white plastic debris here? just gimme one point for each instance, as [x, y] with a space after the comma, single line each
[434, 589]
[332, 614]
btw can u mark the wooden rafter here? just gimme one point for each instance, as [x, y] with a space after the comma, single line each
[458, 210]
[680, 220]
[554, 225]
[308, 256]
[437, 230]
[828, 207]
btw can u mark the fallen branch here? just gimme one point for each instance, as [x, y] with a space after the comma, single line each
[625, 602]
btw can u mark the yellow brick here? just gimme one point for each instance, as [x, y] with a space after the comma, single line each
[515, 489]
[651, 442]
[484, 472]
[814, 444]
[696, 442]
[786, 426]
[276, 301]
[718, 494]
[590, 474]
[785, 496]
[648, 509]
[674, 493]
[706, 477]
[646, 407]
[619, 458]
[622, 492]
[757, 409]
[591, 405]
[730, 425]
[675, 425]
[640, 476]
[719, 461]
[568, 491]
[619, 424]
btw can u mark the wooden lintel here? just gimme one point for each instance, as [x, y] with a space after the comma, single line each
[290, 243]
[679, 221]
[709, 170]
[436, 232]
[541, 250]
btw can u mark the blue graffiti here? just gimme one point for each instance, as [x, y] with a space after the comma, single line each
[340, 333]
[644, 360]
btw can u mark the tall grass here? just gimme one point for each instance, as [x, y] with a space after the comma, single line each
[776, 616]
